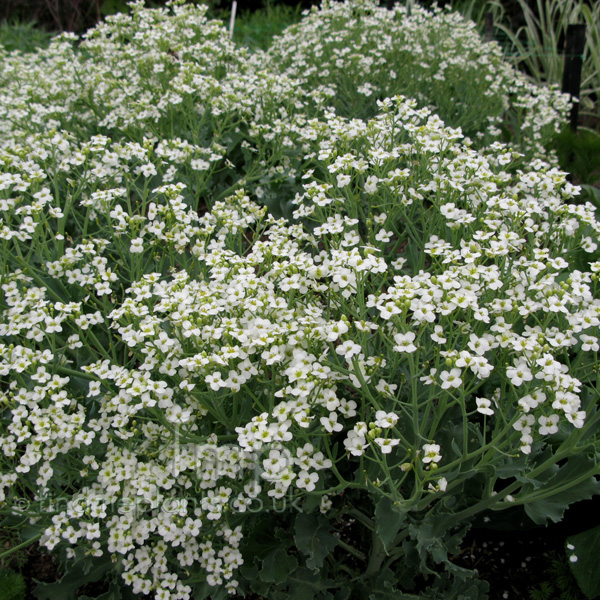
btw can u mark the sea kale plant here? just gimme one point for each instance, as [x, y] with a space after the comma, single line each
[350, 55]
[170, 76]
[199, 398]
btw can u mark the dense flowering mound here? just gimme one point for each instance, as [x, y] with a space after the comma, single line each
[166, 74]
[350, 55]
[183, 373]
[188, 366]
[132, 69]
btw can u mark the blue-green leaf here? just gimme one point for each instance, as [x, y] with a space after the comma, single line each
[314, 539]
[277, 567]
[390, 519]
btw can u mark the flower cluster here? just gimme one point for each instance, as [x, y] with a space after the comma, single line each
[350, 54]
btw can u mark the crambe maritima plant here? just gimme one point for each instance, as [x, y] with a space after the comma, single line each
[200, 399]
[197, 403]
[350, 55]
[166, 74]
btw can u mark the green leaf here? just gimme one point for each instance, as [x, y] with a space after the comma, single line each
[251, 574]
[312, 502]
[511, 467]
[84, 571]
[390, 519]
[265, 536]
[554, 505]
[585, 569]
[430, 537]
[392, 594]
[314, 539]
[466, 587]
[204, 591]
[305, 585]
[384, 587]
[114, 593]
[277, 567]
[343, 593]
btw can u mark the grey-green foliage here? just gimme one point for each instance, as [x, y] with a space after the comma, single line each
[12, 585]
[351, 55]
[22, 36]
[255, 30]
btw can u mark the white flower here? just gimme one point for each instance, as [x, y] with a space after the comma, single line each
[404, 342]
[147, 170]
[451, 379]
[343, 180]
[335, 330]
[548, 425]
[589, 343]
[576, 418]
[199, 165]
[526, 441]
[484, 406]
[348, 349]
[355, 443]
[383, 236]
[330, 423]
[532, 400]
[438, 335]
[306, 480]
[524, 423]
[440, 485]
[371, 184]
[326, 504]
[431, 453]
[385, 420]
[137, 245]
[215, 381]
[386, 444]
[519, 373]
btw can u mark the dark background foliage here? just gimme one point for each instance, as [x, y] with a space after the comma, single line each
[79, 15]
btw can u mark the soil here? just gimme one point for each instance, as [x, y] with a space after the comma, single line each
[519, 561]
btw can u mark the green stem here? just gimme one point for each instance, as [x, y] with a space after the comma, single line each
[351, 550]
[20, 546]
[377, 555]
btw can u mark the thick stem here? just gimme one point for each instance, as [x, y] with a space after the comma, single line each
[377, 555]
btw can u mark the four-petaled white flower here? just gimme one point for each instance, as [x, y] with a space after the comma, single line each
[431, 453]
[404, 342]
[385, 420]
[484, 406]
[548, 425]
[386, 445]
[451, 379]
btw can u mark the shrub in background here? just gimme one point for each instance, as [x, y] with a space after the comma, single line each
[352, 54]
[25, 37]
[12, 585]
[54, 15]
